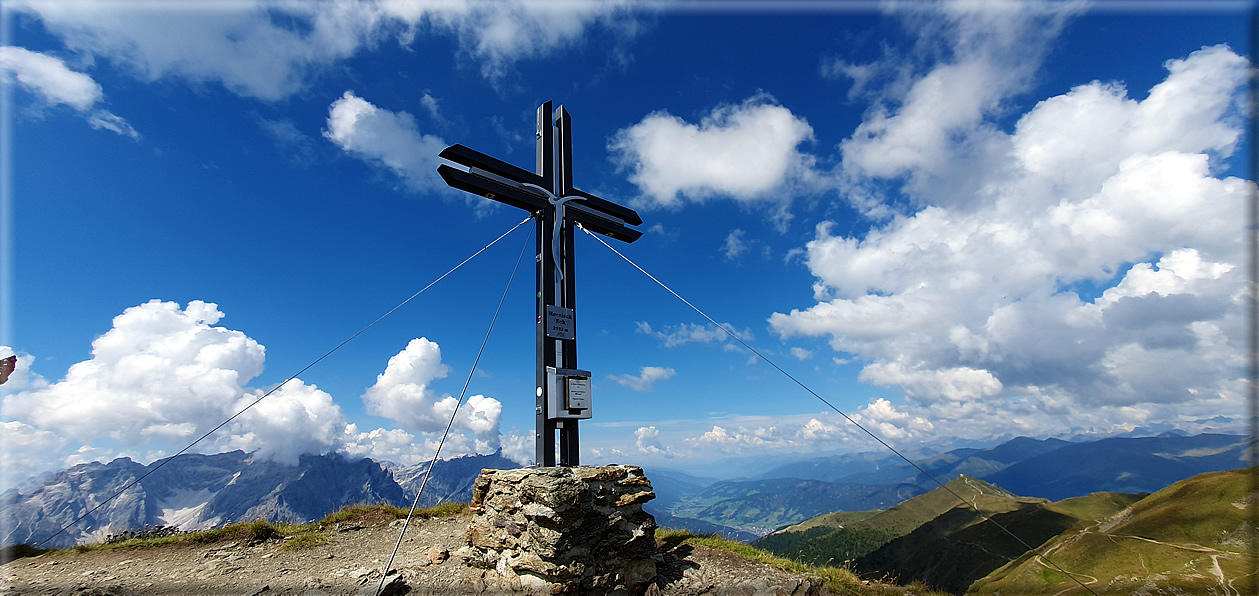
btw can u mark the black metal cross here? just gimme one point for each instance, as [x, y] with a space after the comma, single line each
[563, 391]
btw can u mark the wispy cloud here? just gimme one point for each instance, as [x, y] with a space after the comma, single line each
[646, 378]
[676, 335]
[385, 138]
[243, 47]
[54, 83]
[734, 245]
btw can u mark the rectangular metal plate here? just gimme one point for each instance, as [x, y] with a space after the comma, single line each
[578, 393]
[559, 322]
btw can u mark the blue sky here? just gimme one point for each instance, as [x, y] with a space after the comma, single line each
[958, 222]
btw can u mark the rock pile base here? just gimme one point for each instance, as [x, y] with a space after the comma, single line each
[564, 529]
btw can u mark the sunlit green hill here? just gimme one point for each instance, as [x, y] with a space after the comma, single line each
[941, 537]
[1193, 537]
[838, 537]
[961, 545]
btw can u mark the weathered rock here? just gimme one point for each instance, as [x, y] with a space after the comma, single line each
[564, 529]
[394, 585]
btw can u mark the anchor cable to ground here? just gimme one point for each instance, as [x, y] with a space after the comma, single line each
[986, 517]
[453, 414]
[277, 387]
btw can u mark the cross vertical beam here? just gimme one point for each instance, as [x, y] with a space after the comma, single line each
[557, 208]
[557, 284]
[544, 424]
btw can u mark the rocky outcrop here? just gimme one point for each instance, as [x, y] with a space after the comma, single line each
[564, 529]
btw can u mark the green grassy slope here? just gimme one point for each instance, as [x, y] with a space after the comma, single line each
[833, 520]
[791, 538]
[961, 546]
[863, 536]
[1192, 537]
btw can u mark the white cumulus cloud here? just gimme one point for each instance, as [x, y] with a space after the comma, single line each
[1090, 277]
[162, 376]
[647, 440]
[747, 152]
[161, 370]
[295, 419]
[403, 393]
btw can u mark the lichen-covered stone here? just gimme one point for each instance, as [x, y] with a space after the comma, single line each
[574, 529]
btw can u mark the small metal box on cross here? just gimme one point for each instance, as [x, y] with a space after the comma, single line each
[562, 390]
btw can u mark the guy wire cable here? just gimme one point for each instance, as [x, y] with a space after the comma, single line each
[840, 412]
[277, 387]
[385, 573]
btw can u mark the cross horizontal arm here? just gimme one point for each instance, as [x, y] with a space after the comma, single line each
[472, 158]
[506, 191]
[625, 214]
[598, 222]
[475, 159]
[492, 189]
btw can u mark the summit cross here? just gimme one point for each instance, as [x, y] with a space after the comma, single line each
[562, 390]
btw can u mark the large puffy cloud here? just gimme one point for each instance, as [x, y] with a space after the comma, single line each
[268, 49]
[296, 418]
[747, 152]
[161, 377]
[54, 83]
[1088, 280]
[161, 371]
[164, 375]
[382, 137]
[403, 393]
[647, 440]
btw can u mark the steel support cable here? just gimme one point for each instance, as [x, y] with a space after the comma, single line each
[840, 412]
[277, 387]
[453, 414]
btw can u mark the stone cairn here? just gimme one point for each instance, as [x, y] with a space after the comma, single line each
[564, 529]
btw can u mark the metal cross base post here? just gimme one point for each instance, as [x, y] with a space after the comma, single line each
[562, 391]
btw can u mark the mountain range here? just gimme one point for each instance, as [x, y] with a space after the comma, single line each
[1050, 469]
[198, 491]
[195, 491]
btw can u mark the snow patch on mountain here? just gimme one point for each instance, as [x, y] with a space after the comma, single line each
[184, 508]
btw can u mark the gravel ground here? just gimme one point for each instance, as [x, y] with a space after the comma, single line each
[351, 563]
